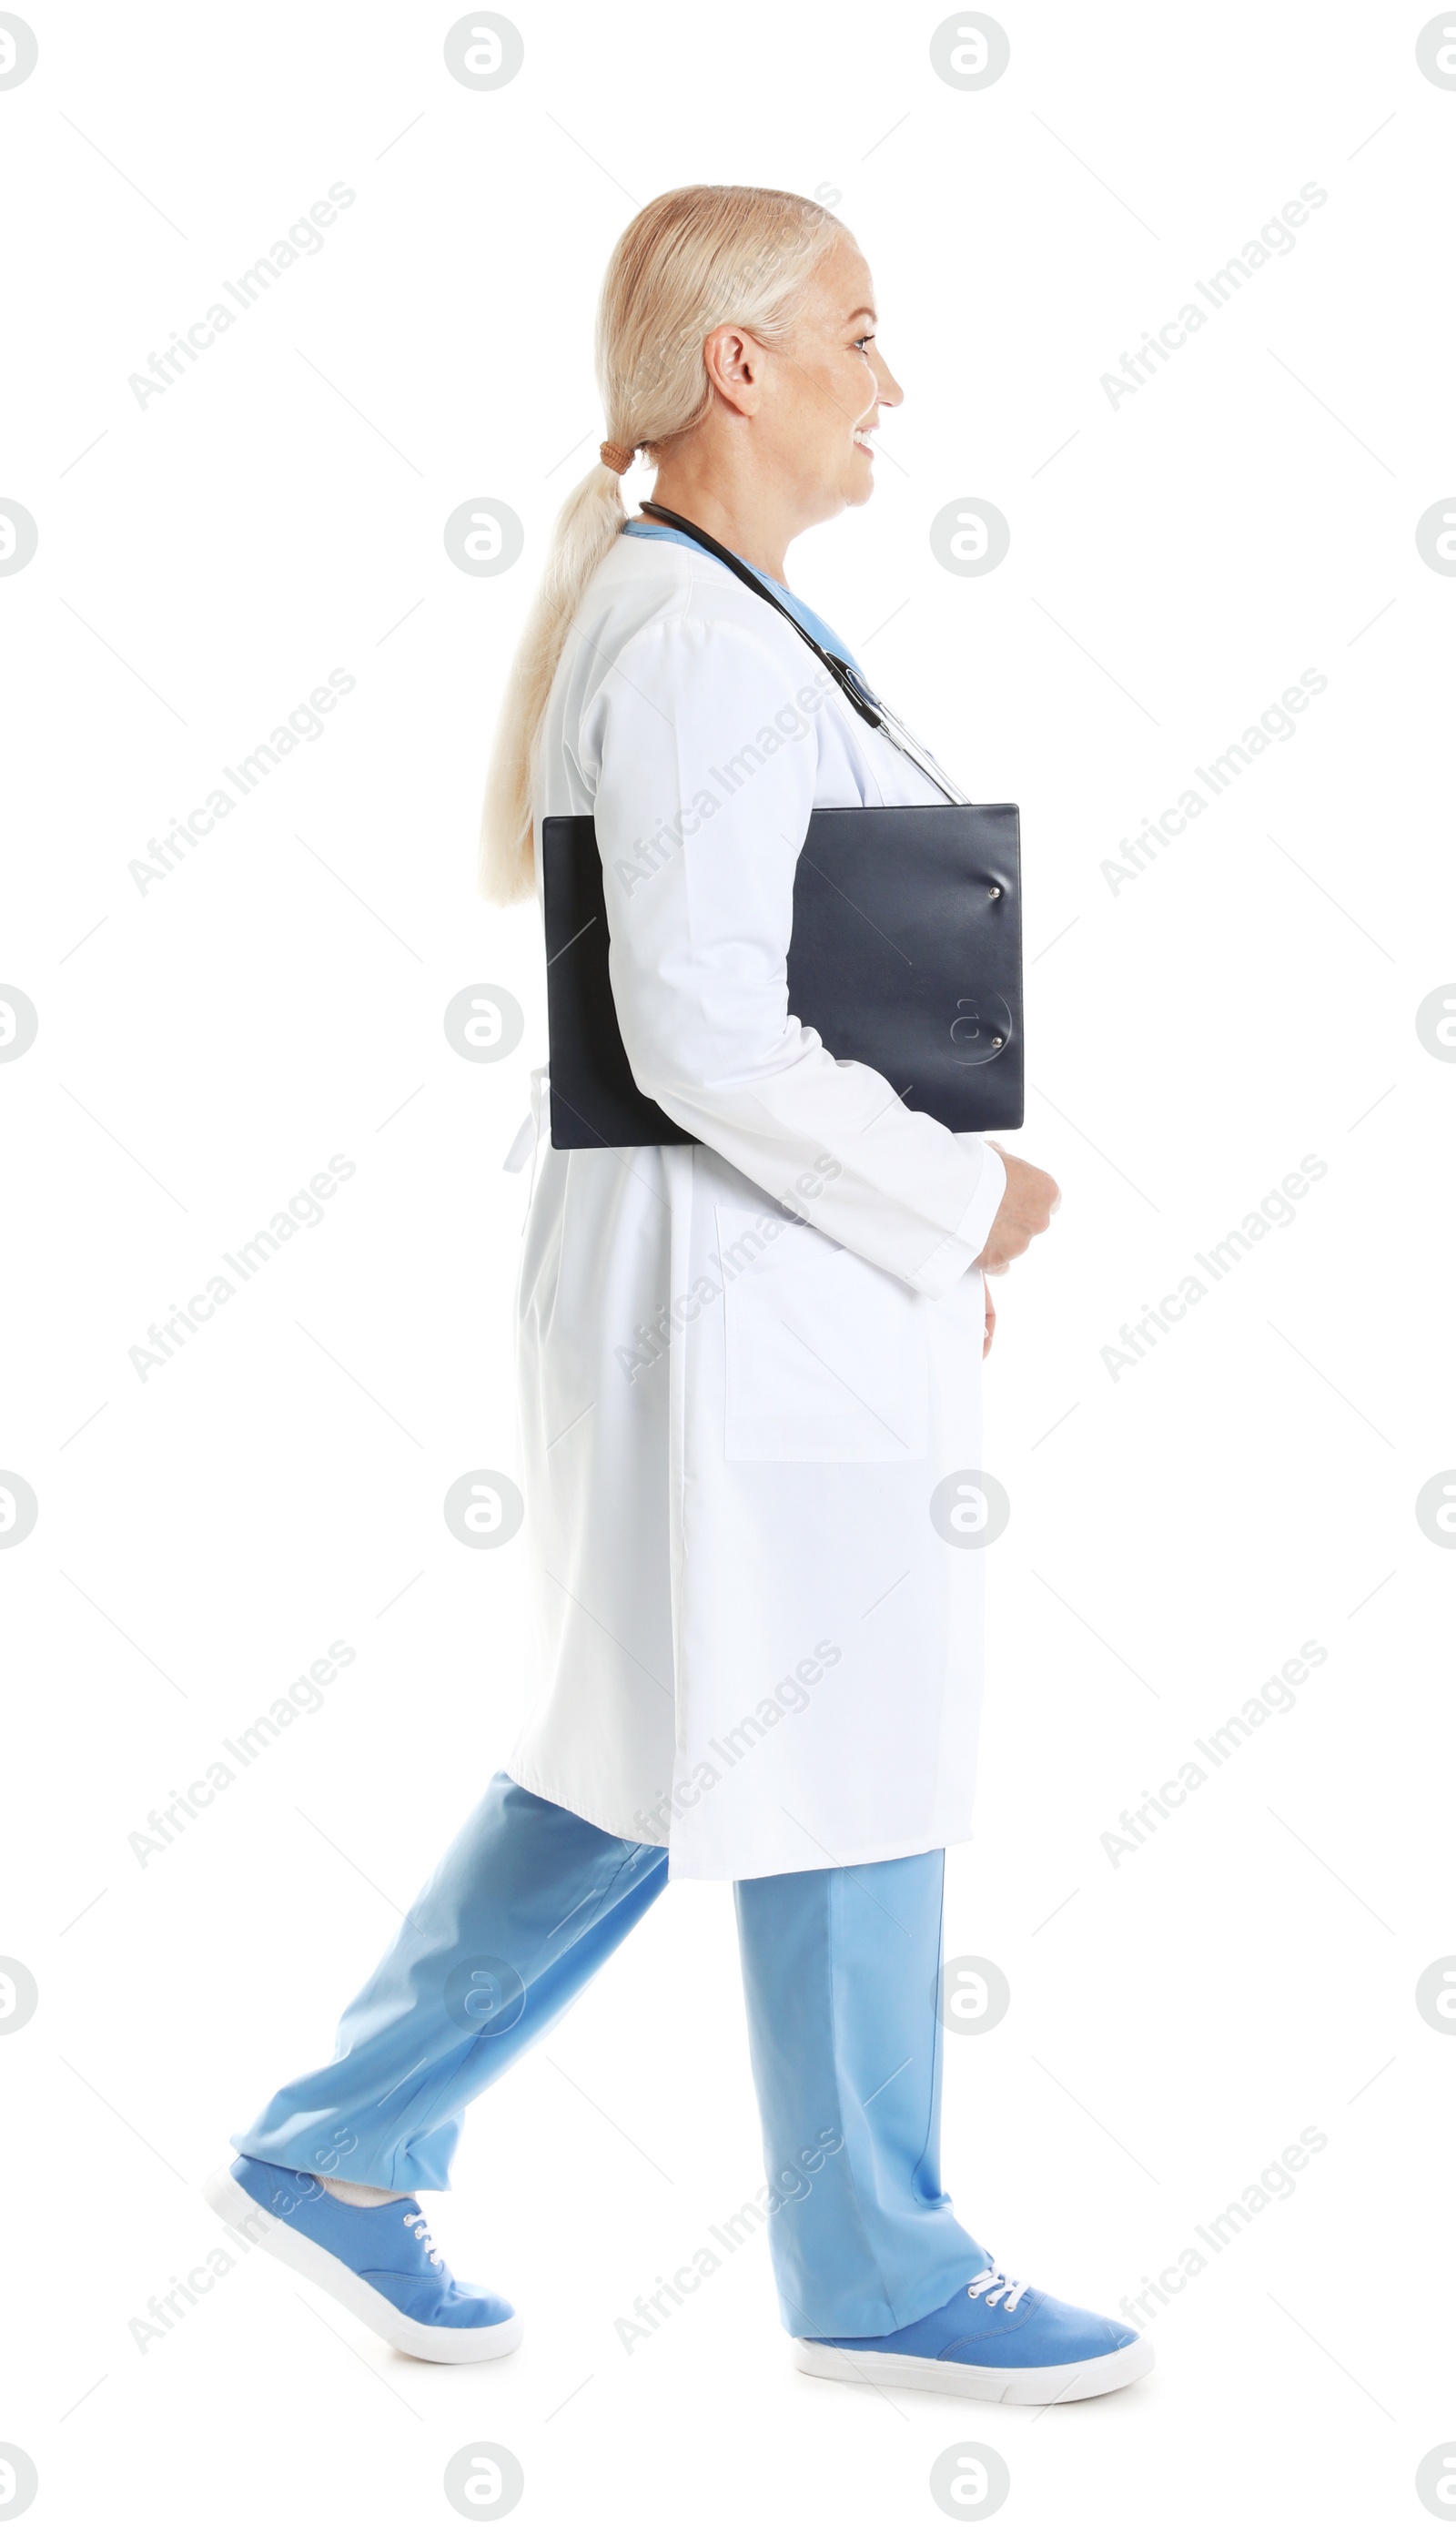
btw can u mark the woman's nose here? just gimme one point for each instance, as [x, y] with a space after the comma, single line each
[887, 386]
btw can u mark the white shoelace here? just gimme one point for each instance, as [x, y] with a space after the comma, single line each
[997, 2288]
[422, 2236]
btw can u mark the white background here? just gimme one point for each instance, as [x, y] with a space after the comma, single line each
[1177, 560]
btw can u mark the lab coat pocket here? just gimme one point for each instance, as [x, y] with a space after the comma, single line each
[827, 1357]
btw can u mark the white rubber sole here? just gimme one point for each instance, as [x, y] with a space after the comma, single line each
[437, 2341]
[1040, 2386]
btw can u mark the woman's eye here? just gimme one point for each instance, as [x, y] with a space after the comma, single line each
[861, 340]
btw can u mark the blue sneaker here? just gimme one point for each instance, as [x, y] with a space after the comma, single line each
[997, 2340]
[381, 2263]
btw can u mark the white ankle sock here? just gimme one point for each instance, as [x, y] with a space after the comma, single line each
[360, 2196]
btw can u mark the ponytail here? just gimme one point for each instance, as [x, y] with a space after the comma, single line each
[591, 518]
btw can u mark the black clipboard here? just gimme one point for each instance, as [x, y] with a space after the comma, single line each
[905, 956]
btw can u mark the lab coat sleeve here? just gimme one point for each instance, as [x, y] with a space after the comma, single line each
[705, 758]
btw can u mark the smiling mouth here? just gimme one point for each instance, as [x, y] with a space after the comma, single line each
[862, 440]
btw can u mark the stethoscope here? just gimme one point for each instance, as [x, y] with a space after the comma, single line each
[870, 706]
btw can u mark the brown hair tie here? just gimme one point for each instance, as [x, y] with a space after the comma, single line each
[613, 455]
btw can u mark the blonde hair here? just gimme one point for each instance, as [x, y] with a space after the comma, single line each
[702, 256]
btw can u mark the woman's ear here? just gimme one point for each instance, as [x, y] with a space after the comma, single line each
[734, 362]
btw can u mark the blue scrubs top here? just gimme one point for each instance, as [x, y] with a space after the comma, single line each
[802, 615]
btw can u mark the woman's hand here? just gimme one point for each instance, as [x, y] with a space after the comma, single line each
[990, 1322]
[1030, 1201]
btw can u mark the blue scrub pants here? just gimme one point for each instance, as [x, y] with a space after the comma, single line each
[841, 1971]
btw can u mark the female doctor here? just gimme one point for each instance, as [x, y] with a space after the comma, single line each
[746, 1363]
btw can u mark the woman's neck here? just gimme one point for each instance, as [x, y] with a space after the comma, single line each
[750, 526]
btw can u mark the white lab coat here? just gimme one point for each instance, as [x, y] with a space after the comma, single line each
[744, 1364]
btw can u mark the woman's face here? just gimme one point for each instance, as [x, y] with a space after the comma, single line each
[825, 389]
